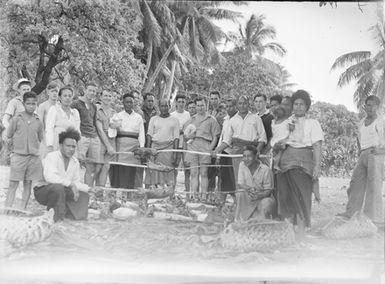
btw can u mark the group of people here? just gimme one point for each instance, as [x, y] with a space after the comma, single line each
[266, 153]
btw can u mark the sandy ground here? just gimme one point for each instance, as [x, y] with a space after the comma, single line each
[156, 251]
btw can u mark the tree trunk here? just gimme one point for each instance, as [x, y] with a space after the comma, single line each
[150, 81]
[149, 59]
[170, 81]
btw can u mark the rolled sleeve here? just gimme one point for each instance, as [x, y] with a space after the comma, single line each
[316, 134]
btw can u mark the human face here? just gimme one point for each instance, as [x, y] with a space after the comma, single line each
[180, 104]
[53, 94]
[299, 107]
[243, 105]
[260, 104]
[128, 104]
[214, 100]
[90, 92]
[149, 102]
[66, 97]
[287, 105]
[371, 108]
[273, 104]
[163, 107]
[30, 105]
[201, 107]
[231, 108]
[23, 88]
[138, 100]
[106, 98]
[192, 109]
[248, 157]
[68, 147]
[221, 115]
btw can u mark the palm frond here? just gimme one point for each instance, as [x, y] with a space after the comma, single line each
[152, 28]
[351, 58]
[221, 14]
[379, 60]
[364, 89]
[264, 32]
[275, 47]
[378, 32]
[250, 28]
[193, 38]
[209, 32]
[354, 72]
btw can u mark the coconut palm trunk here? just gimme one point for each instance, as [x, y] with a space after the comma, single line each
[170, 81]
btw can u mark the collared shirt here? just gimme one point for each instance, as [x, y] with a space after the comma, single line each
[261, 179]
[183, 118]
[249, 128]
[206, 127]
[280, 131]
[306, 132]
[147, 114]
[163, 129]
[58, 121]
[54, 171]
[131, 123]
[104, 117]
[87, 118]
[43, 109]
[372, 135]
[15, 106]
[26, 132]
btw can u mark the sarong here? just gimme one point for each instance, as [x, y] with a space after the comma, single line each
[154, 177]
[124, 176]
[295, 184]
[227, 174]
[246, 208]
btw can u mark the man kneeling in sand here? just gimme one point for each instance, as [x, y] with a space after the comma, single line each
[61, 188]
[255, 185]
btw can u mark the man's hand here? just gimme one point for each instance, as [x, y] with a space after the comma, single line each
[316, 172]
[75, 191]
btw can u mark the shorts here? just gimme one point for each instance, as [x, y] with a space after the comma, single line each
[89, 148]
[201, 145]
[25, 167]
[104, 156]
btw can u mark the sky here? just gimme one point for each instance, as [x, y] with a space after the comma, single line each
[314, 37]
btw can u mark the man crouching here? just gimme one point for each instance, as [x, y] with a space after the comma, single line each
[255, 185]
[61, 188]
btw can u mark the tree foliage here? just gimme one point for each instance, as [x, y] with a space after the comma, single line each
[94, 40]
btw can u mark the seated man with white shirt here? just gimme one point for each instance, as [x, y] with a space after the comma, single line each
[61, 188]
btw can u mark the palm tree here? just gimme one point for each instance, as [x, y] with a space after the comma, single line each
[366, 69]
[251, 40]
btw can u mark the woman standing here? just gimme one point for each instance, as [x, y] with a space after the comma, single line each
[299, 164]
[60, 117]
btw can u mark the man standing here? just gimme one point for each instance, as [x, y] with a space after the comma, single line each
[366, 182]
[61, 188]
[245, 128]
[182, 116]
[192, 108]
[52, 92]
[89, 144]
[260, 102]
[163, 133]
[204, 139]
[215, 98]
[138, 102]
[148, 109]
[275, 101]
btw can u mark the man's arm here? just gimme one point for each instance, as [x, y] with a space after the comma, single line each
[103, 137]
[6, 119]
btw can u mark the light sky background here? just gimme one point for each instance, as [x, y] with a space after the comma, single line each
[314, 37]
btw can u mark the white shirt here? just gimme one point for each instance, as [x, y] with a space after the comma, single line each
[250, 128]
[280, 131]
[306, 132]
[131, 123]
[373, 134]
[58, 121]
[54, 171]
[182, 117]
[163, 129]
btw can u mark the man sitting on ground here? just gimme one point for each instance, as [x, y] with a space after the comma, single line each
[61, 188]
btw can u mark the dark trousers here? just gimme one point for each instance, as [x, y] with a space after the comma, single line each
[61, 199]
[212, 173]
[122, 176]
[227, 174]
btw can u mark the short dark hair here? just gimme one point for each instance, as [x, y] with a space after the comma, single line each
[251, 148]
[374, 99]
[29, 95]
[128, 95]
[221, 107]
[168, 102]
[190, 102]
[67, 87]
[200, 99]
[71, 133]
[303, 95]
[215, 93]
[260, 95]
[180, 96]
[148, 94]
[52, 85]
[233, 100]
[277, 98]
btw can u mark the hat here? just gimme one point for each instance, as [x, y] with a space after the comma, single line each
[21, 81]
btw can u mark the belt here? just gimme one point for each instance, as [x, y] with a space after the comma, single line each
[134, 136]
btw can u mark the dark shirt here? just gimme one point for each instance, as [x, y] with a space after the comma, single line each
[147, 114]
[26, 133]
[266, 120]
[87, 118]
